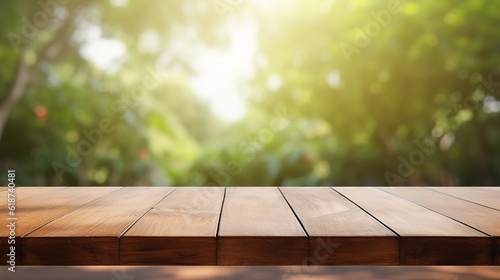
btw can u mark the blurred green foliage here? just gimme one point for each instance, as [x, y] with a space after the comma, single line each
[345, 93]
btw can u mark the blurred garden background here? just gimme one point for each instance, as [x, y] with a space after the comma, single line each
[232, 92]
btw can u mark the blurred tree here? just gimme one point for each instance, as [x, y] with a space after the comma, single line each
[79, 124]
[344, 93]
[382, 75]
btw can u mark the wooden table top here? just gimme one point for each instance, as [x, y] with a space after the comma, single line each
[254, 225]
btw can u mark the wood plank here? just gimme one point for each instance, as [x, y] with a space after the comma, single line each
[476, 195]
[493, 189]
[23, 193]
[46, 207]
[81, 226]
[496, 260]
[257, 227]
[180, 230]
[35, 212]
[474, 215]
[426, 237]
[340, 232]
[89, 235]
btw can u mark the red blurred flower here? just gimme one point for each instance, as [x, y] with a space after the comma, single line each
[41, 112]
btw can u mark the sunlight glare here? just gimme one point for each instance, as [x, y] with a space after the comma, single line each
[220, 71]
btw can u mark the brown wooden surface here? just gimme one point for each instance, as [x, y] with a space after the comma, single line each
[426, 237]
[476, 195]
[23, 193]
[257, 227]
[37, 211]
[254, 226]
[181, 229]
[89, 235]
[479, 217]
[492, 189]
[474, 215]
[340, 232]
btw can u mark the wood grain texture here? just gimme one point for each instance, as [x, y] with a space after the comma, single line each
[254, 226]
[496, 249]
[476, 195]
[493, 189]
[477, 216]
[181, 229]
[88, 232]
[60, 250]
[23, 193]
[263, 250]
[37, 211]
[474, 215]
[340, 232]
[257, 227]
[445, 250]
[426, 237]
